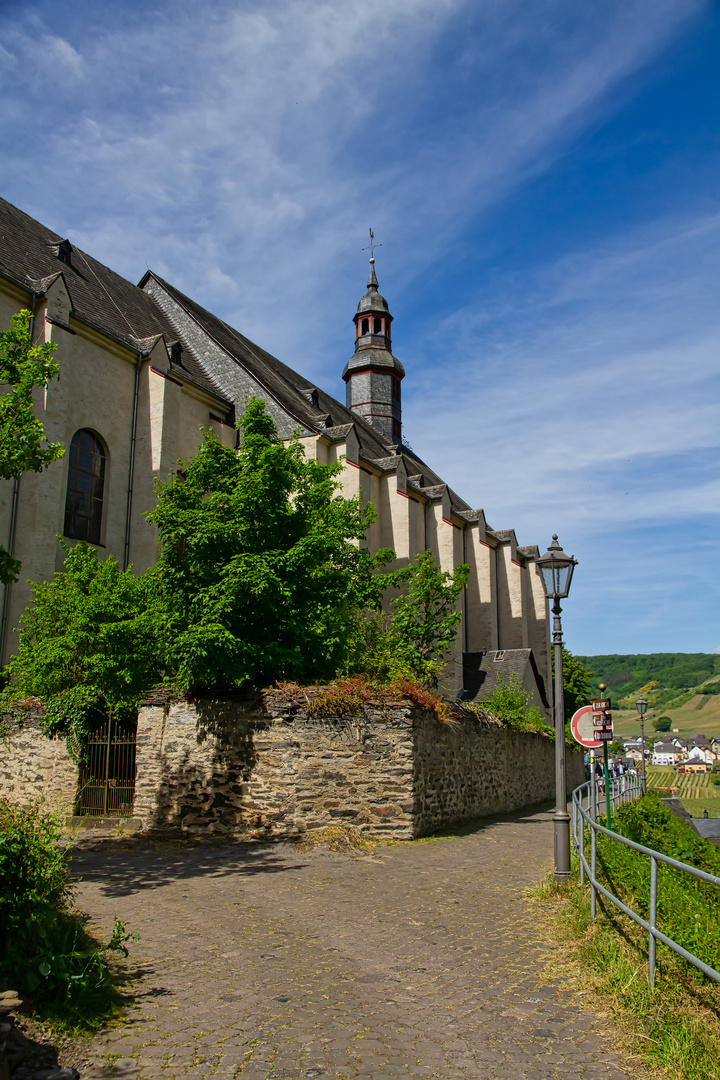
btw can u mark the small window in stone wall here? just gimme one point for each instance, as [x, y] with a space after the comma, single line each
[395, 388]
[85, 488]
[378, 326]
[365, 329]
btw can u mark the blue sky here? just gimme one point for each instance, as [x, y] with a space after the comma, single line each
[543, 176]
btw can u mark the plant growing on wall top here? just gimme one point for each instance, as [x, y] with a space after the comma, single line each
[261, 574]
[23, 444]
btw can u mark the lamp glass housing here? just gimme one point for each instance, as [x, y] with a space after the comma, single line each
[641, 705]
[556, 571]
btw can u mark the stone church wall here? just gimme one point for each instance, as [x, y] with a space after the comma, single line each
[260, 768]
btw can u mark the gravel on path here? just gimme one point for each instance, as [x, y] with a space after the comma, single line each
[267, 963]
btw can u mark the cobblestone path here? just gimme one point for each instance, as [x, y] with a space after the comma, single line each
[422, 960]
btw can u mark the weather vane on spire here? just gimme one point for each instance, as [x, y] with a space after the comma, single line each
[371, 246]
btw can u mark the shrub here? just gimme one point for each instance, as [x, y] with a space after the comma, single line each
[348, 697]
[688, 909]
[510, 702]
[45, 950]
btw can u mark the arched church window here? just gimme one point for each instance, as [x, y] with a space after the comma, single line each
[366, 326]
[85, 487]
[378, 326]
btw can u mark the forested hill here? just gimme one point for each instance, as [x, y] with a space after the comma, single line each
[624, 675]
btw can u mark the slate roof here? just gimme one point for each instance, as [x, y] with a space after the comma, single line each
[114, 306]
[101, 298]
[481, 673]
[293, 392]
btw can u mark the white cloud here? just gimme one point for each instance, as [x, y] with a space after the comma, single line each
[589, 392]
[59, 51]
[254, 142]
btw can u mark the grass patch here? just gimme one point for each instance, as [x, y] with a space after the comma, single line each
[675, 1026]
[695, 807]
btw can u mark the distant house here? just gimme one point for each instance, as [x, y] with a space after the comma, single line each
[698, 760]
[666, 753]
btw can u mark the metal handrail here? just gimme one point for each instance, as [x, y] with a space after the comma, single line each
[624, 789]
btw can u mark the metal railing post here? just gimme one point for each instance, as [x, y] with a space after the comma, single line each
[593, 873]
[582, 847]
[653, 919]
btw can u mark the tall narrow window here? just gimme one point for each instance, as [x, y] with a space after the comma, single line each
[378, 326]
[365, 326]
[86, 481]
[395, 388]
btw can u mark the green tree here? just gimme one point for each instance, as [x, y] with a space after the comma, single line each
[662, 723]
[262, 571]
[24, 367]
[577, 683]
[413, 641]
[88, 643]
[425, 621]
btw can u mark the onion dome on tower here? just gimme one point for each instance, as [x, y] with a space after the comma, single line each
[372, 374]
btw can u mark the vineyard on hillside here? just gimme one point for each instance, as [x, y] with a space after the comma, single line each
[687, 785]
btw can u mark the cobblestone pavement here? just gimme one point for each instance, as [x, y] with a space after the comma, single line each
[263, 964]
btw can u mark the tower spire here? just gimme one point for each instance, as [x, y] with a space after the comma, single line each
[372, 374]
[372, 282]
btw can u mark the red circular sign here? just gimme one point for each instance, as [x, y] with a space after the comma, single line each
[582, 728]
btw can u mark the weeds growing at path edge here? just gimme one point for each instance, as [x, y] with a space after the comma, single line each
[46, 954]
[675, 1026]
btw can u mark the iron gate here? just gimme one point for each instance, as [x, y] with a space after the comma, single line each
[107, 774]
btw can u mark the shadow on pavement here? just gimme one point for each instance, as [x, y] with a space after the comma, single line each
[528, 815]
[121, 873]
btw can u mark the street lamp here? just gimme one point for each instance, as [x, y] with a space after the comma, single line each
[642, 706]
[556, 571]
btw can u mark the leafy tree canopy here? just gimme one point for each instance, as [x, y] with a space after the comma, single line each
[261, 573]
[88, 642]
[662, 723]
[626, 675]
[23, 444]
[415, 639]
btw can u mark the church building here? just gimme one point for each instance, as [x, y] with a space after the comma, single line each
[143, 368]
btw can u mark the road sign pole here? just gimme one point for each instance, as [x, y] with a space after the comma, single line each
[607, 783]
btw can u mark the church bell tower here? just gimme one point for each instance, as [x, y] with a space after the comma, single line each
[372, 374]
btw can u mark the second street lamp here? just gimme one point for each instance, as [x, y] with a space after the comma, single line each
[642, 706]
[556, 571]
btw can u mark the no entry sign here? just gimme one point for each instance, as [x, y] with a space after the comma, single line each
[583, 728]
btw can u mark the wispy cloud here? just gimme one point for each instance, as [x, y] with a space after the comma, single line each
[249, 143]
[587, 387]
[241, 148]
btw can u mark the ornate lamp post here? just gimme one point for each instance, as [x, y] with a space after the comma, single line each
[556, 570]
[642, 706]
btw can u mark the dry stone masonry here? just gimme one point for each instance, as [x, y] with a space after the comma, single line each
[34, 768]
[262, 768]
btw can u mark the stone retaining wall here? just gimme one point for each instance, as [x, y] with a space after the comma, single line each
[34, 768]
[260, 768]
